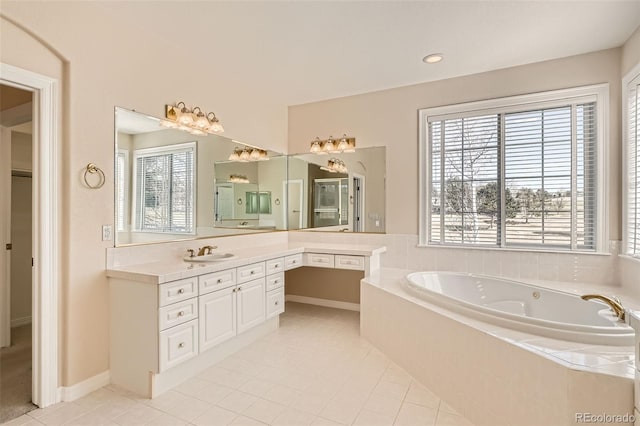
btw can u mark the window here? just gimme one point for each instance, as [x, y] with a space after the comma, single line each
[122, 188]
[164, 188]
[631, 223]
[520, 172]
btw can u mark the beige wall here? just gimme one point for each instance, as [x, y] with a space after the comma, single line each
[21, 250]
[390, 118]
[321, 283]
[21, 227]
[630, 53]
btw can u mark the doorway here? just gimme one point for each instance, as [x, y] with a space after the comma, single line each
[16, 378]
[358, 202]
[45, 225]
[294, 205]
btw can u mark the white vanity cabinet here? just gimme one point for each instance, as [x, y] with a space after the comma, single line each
[275, 283]
[228, 306]
[170, 325]
[251, 306]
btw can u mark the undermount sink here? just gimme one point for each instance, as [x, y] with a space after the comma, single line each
[213, 257]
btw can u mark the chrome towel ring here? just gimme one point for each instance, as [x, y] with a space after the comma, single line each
[93, 169]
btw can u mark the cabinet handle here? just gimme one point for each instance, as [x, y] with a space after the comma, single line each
[181, 345]
[181, 291]
[181, 313]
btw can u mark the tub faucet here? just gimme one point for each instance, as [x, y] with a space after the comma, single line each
[207, 249]
[613, 302]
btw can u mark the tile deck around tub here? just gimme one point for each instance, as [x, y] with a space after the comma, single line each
[315, 370]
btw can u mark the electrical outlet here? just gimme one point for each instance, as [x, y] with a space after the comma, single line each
[106, 232]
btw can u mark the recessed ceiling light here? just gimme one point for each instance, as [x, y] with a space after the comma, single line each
[433, 58]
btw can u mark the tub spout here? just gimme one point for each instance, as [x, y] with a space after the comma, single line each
[613, 302]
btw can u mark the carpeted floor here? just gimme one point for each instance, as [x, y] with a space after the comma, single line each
[15, 375]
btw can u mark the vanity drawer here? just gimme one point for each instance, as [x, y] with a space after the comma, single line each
[275, 302]
[178, 313]
[275, 281]
[349, 262]
[177, 291]
[178, 344]
[293, 261]
[275, 265]
[251, 272]
[320, 260]
[217, 281]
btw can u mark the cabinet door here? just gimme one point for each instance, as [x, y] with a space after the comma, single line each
[217, 317]
[251, 304]
[275, 302]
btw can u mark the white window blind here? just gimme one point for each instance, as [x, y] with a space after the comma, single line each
[519, 178]
[632, 136]
[122, 193]
[164, 189]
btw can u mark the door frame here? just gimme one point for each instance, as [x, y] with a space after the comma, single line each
[361, 200]
[5, 236]
[285, 207]
[46, 228]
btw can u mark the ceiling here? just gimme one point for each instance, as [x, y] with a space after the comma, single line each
[303, 51]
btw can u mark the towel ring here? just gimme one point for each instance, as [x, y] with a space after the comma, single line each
[93, 169]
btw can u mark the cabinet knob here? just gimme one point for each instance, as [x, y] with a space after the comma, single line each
[219, 281]
[276, 281]
[293, 261]
[276, 302]
[181, 345]
[239, 288]
[253, 272]
[181, 313]
[181, 291]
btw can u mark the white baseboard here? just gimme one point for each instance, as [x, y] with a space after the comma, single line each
[322, 302]
[17, 322]
[85, 387]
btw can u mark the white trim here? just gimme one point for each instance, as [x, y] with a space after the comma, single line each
[17, 322]
[46, 249]
[5, 237]
[85, 387]
[597, 92]
[626, 80]
[322, 302]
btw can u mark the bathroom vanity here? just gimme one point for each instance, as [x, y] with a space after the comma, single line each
[171, 320]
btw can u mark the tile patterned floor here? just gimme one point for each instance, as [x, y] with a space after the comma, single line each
[315, 370]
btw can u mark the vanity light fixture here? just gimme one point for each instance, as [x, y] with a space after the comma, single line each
[238, 179]
[194, 121]
[249, 154]
[321, 147]
[335, 165]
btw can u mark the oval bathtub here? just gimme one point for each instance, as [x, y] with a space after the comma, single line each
[523, 307]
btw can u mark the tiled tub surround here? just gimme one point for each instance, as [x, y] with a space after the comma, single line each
[491, 374]
[172, 319]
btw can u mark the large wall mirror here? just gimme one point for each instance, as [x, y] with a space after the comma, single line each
[337, 192]
[171, 185]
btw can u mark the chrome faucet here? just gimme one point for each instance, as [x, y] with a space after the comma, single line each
[613, 302]
[207, 249]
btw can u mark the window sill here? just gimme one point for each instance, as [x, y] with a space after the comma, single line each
[518, 250]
